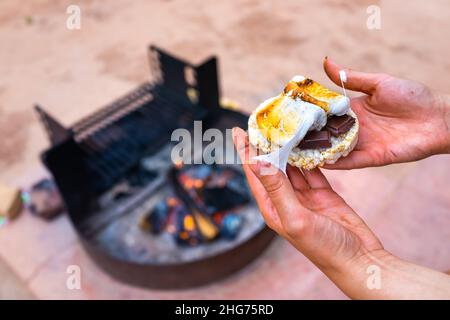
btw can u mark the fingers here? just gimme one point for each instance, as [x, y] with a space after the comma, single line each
[307, 179]
[280, 192]
[297, 179]
[316, 179]
[355, 160]
[294, 217]
[277, 187]
[356, 81]
[242, 145]
[245, 151]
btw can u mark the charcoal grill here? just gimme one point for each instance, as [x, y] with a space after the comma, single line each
[89, 160]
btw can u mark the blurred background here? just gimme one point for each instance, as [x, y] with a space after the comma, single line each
[260, 45]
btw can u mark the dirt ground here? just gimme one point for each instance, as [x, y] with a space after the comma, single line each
[260, 45]
[11, 286]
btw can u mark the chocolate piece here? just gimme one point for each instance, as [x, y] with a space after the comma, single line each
[338, 125]
[316, 140]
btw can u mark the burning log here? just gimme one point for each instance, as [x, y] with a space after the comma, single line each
[187, 233]
[206, 227]
[224, 190]
[199, 211]
[156, 221]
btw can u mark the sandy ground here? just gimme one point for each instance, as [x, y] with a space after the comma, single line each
[260, 44]
[12, 287]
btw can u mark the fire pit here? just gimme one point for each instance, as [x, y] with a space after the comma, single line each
[201, 207]
[143, 219]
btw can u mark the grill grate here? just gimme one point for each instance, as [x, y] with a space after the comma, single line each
[115, 143]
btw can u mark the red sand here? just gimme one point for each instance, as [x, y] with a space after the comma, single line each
[261, 44]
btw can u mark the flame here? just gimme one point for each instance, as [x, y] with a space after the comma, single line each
[208, 229]
[178, 163]
[172, 201]
[189, 223]
[218, 217]
[198, 183]
[183, 235]
[189, 183]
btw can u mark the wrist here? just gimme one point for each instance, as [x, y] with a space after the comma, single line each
[381, 275]
[364, 276]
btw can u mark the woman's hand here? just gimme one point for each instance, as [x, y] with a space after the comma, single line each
[400, 120]
[304, 209]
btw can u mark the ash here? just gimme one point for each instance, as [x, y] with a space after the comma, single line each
[116, 228]
[124, 239]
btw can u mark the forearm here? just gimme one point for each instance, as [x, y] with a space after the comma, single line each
[443, 103]
[383, 276]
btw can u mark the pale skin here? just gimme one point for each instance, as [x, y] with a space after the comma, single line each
[304, 209]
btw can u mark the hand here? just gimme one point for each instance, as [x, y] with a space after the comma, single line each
[400, 120]
[304, 209]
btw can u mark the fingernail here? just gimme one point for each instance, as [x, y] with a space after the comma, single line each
[258, 166]
[263, 164]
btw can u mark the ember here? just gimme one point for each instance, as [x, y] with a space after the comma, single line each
[199, 209]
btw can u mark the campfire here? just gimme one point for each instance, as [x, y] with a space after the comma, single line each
[202, 206]
[142, 218]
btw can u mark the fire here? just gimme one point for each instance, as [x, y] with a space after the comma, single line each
[190, 215]
[189, 183]
[189, 223]
[172, 201]
[183, 235]
[218, 217]
[178, 164]
[198, 183]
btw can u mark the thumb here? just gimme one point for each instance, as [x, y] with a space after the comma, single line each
[356, 80]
